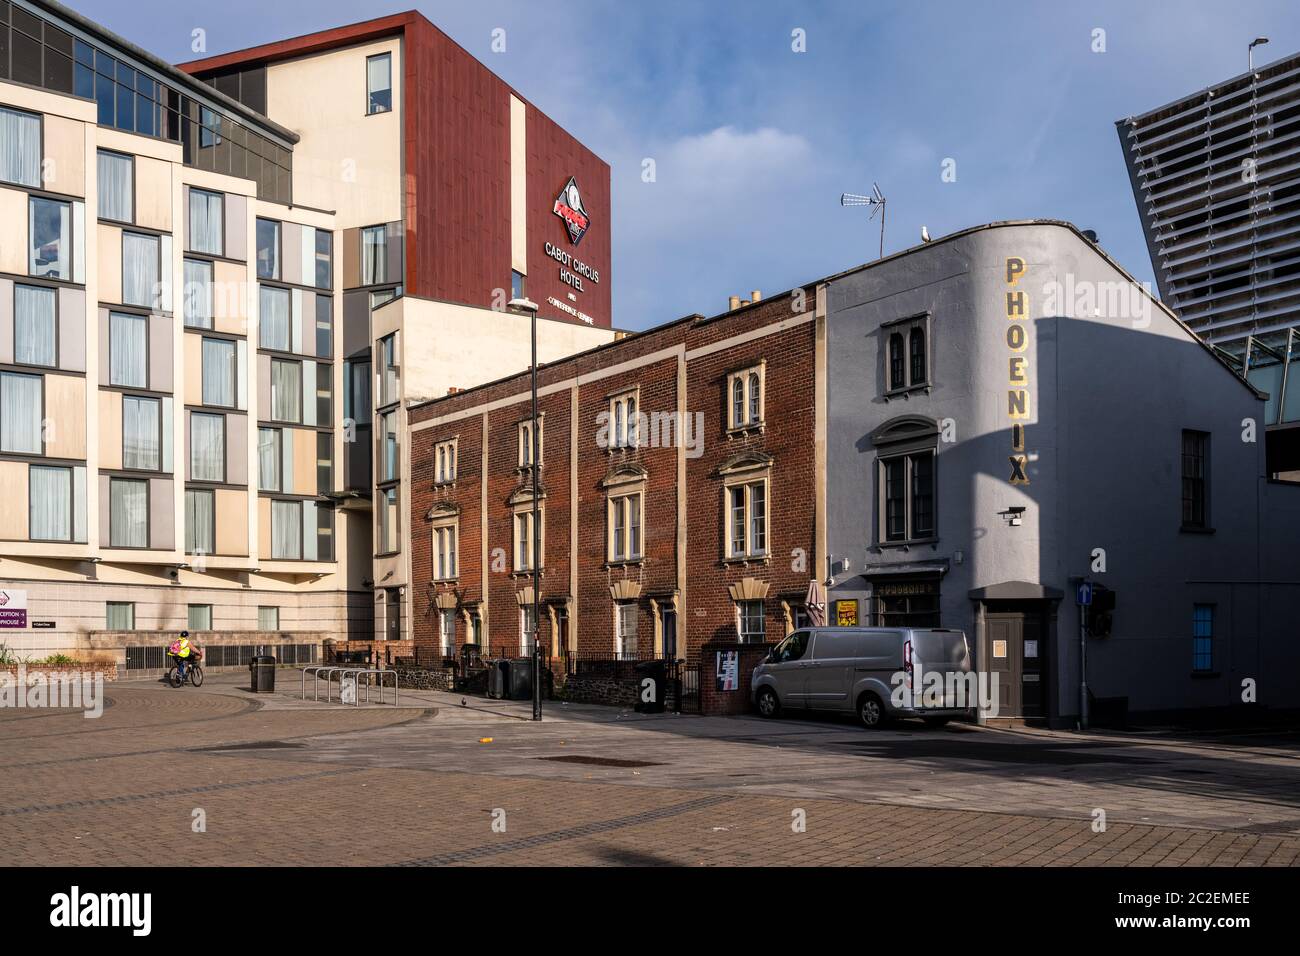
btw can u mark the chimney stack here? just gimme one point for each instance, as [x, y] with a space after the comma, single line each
[733, 303]
[755, 295]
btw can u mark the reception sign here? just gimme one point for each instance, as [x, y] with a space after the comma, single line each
[13, 608]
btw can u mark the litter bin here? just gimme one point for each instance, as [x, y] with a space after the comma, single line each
[519, 679]
[496, 688]
[651, 687]
[262, 673]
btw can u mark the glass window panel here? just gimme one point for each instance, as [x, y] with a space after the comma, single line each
[21, 408]
[324, 326]
[128, 517]
[207, 447]
[200, 521]
[34, 325]
[199, 617]
[268, 618]
[197, 297]
[119, 616]
[207, 221]
[379, 83]
[219, 372]
[286, 391]
[50, 491]
[286, 530]
[273, 321]
[140, 257]
[115, 187]
[269, 459]
[141, 430]
[20, 148]
[128, 350]
[268, 249]
[50, 239]
[374, 256]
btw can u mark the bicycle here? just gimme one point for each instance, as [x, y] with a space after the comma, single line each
[193, 670]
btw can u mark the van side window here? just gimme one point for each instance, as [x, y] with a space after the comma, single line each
[791, 649]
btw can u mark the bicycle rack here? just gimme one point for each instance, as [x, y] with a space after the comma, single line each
[356, 673]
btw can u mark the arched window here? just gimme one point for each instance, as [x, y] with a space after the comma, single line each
[737, 402]
[631, 423]
[896, 369]
[755, 394]
[916, 346]
[618, 424]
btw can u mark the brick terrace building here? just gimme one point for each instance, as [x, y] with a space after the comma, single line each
[704, 519]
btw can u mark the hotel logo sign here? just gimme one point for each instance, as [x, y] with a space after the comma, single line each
[568, 206]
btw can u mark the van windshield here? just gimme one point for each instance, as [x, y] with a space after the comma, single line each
[938, 648]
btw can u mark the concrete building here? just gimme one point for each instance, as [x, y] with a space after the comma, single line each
[955, 436]
[1216, 176]
[188, 377]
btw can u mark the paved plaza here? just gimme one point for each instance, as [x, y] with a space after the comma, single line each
[442, 779]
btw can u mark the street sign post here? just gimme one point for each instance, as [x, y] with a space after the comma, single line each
[1083, 595]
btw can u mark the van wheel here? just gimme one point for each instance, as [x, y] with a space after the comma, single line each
[935, 721]
[871, 711]
[768, 705]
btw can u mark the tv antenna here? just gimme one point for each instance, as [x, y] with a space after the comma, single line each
[877, 201]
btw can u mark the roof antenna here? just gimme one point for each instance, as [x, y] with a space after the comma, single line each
[877, 201]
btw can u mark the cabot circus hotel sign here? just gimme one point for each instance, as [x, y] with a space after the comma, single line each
[573, 271]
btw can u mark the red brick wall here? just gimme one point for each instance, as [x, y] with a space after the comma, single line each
[708, 611]
[716, 703]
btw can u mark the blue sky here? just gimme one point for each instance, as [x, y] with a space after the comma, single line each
[753, 143]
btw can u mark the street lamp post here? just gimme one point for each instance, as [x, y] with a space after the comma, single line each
[1250, 52]
[524, 304]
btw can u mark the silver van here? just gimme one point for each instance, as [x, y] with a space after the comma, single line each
[856, 670]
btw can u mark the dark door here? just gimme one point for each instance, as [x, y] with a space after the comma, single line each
[393, 616]
[1006, 634]
[670, 634]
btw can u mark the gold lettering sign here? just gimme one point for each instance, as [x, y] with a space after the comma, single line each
[846, 613]
[1018, 372]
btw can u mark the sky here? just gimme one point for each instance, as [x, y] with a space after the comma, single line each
[753, 141]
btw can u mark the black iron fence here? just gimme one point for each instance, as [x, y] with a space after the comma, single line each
[154, 657]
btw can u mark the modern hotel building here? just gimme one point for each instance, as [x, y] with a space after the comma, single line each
[219, 287]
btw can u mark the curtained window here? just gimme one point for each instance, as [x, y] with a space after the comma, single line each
[34, 323]
[200, 521]
[128, 350]
[199, 617]
[20, 148]
[268, 249]
[273, 325]
[197, 296]
[119, 615]
[207, 447]
[21, 401]
[116, 201]
[128, 513]
[49, 243]
[50, 491]
[206, 229]
[268, 459]
[286, 391]
[286, 530]
[219, 372]
[140, 270]
[268, 618]
[374, 256]
[141, 430]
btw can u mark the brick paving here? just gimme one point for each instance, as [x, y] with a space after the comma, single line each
[281, 782]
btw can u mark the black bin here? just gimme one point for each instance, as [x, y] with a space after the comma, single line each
[496, 686]
[651, 681]
[519, 679]
[262, 673]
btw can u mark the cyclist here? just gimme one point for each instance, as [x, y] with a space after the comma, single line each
[180, 650]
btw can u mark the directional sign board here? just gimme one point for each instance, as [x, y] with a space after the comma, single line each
[1083, 595]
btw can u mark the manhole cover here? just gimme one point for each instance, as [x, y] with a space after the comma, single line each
[600, 761]
[255, 745]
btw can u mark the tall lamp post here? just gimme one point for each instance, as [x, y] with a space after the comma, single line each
[1250, 52]
[524, 304]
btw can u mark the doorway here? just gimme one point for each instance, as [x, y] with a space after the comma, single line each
[1015, 653]
[393, 615]
[669, 619]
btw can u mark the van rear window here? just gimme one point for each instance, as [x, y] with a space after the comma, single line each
[939, 648]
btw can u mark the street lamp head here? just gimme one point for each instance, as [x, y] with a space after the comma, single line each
[1258, 41]
[523, 305]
